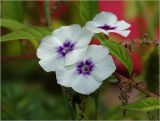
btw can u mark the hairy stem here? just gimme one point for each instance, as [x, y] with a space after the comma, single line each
[137, 86]
[69, 108]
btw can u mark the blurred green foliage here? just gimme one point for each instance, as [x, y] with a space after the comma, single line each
[29, 93]
[13, 10]
[87, 10]
[143, 8]
[152, 71]
[27, 33]
[29, 102]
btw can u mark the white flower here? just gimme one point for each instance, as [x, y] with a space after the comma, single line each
[65, 46]
[107, 22]
[87, 74]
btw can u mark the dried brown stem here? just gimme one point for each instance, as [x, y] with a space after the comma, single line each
[138, 86]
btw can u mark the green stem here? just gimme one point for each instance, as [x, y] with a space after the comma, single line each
[96, 104]
[69, 108]
[47, 13]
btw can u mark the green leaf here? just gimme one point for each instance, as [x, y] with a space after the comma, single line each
[146, 104]
[11, 24]
[15, 25]
[87, 10]
[118, 51]
[36, 33]
[13, 10]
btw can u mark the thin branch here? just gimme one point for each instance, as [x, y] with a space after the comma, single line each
[138, 86]
[47, 13]
[18, 57]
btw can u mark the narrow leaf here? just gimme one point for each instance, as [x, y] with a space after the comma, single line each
[146, 104]
[11, 24]
[14, 25]
[118, 51]
[36, 33]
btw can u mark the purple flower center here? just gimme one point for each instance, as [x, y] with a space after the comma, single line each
[85, 67]
[65, 48]
[107, 27]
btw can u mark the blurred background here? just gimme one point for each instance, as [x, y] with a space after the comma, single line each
[28, 92]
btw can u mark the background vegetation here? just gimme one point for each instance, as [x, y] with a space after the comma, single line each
[28, 92]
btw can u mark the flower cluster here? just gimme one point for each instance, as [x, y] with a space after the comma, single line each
[77, 64]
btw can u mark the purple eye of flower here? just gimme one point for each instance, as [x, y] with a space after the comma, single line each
[107, 27]
[85, 67]
[65, 48]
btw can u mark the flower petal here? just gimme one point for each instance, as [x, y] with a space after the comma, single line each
[75, 56]
[122, 25]
[84, 38]
[51, 63]
[104, 69]
[66, 76]
[44, 53]
[93, 27]
[124, 33]
[105, 18]
[47, 47]
[85, 85]
[68, 33]
[97, 53]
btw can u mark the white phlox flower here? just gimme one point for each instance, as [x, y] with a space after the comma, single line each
[88, 73]
[106, 23]
[63, 47]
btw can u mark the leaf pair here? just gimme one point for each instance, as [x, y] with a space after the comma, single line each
[20, 31]
[27, 33]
